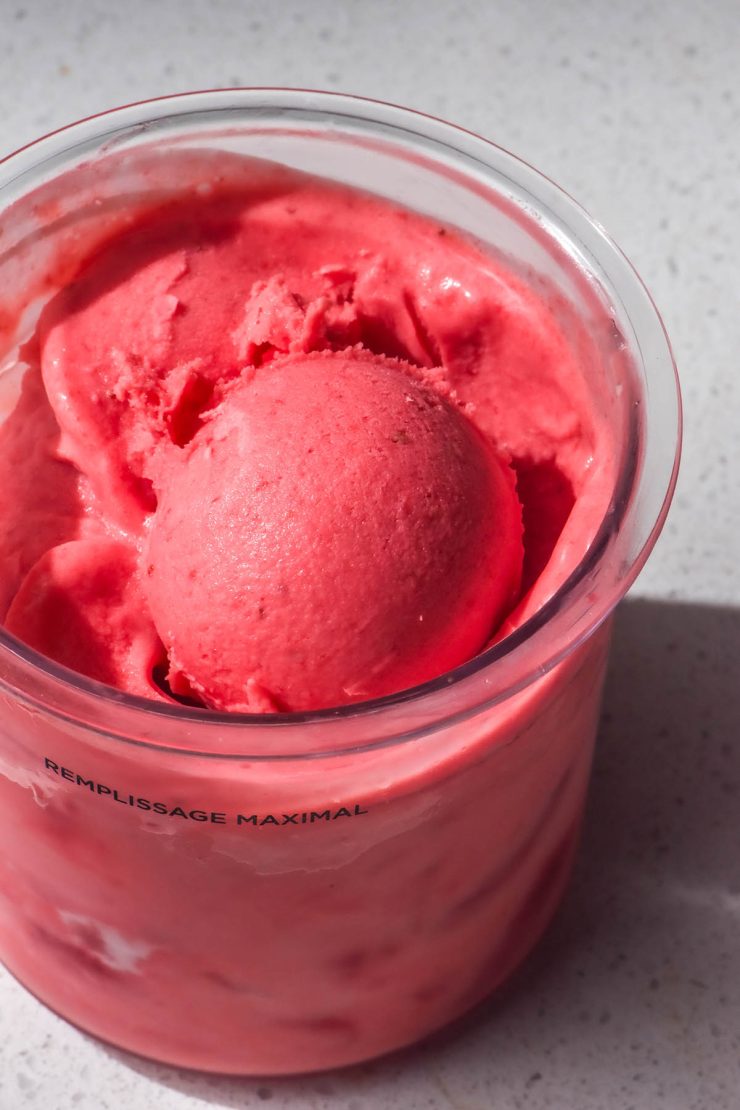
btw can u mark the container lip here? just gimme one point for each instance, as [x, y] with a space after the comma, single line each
[442, 132]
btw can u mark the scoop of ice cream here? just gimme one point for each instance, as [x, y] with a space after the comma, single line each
[336, 530]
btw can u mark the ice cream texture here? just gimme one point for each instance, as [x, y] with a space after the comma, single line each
[356, 531]
[286, 448]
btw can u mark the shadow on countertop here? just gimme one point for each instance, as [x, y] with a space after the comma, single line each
[633, 997]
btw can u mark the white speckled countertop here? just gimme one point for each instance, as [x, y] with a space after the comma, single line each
[632, 1002]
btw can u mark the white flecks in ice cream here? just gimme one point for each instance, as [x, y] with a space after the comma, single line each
[27, 779]
[112, 948]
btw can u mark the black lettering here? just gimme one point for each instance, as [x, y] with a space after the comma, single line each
[66, 774]
[101, 789]
[51, 765]
[342, 812]
[123, 801]
[269, 820]
[160, 807]
[85, 782]
[218, 818]
[242, 820]
[143, 803]
[289, 819]
[325, 815]
[304, 818]
[359, 810]
[198, 815]
[178, 811]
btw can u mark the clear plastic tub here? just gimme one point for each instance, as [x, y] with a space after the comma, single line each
[278, 894]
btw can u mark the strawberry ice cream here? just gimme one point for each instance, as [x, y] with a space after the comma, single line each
[315, 424]
[358, 532]
[313, 510]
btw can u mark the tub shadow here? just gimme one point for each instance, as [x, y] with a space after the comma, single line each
[632, 995]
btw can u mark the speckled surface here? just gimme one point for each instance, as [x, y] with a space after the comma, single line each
[633, 1000]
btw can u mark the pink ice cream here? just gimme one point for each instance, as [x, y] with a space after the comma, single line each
[279, 444]
[359, 534]
[315, 427]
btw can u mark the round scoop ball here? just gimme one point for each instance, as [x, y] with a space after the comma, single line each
[336, 531]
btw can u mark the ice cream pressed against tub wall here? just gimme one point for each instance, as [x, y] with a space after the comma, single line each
[282, 445]
[286, 450]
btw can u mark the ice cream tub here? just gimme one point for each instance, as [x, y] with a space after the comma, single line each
[268, 888]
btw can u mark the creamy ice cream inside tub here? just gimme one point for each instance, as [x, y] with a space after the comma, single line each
[332, 435]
